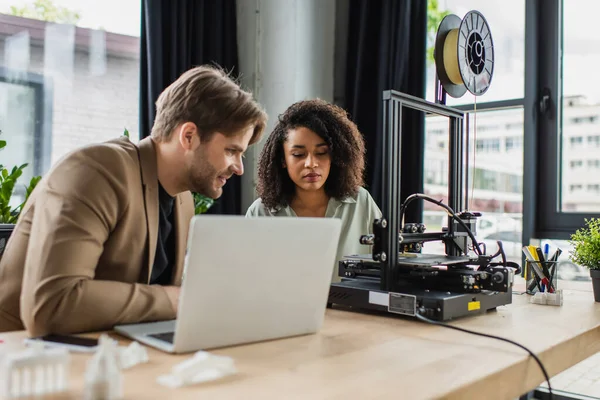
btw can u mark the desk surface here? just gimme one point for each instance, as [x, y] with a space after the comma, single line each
[370, 356]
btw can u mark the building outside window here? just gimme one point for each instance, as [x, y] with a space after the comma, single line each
[69, 76]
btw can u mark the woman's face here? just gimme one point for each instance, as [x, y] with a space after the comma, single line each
[307, 159]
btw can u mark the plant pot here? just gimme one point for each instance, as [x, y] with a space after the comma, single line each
[5, 232]
[595, 274]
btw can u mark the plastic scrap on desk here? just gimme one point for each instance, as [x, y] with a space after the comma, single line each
[202, 367]
[35, 371]
[103, 378]
[132, 355]
[550, 299]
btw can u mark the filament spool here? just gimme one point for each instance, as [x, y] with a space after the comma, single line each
[464, 54]
[451, 57]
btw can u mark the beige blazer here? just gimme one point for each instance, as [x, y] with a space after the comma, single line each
[81, 254]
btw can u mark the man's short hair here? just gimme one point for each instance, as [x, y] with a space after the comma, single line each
[208, 97]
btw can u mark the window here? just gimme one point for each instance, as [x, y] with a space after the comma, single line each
[63, 85]
[576, 141]
[575, 188]
[594, 140]
[488, 145]
[576, 163]
[569, 132]
[594, 188]
[514, 143]
[581, 119]
[593, 163]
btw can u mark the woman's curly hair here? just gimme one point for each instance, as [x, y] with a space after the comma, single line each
[346, 146]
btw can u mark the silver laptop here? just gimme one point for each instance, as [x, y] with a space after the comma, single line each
[248, 280]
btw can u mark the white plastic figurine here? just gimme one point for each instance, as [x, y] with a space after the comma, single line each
[34, 372]
[550, 299]
[103, 378]
[202, 367]
[131, 355]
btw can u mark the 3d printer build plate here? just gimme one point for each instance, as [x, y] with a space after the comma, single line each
[417, 259]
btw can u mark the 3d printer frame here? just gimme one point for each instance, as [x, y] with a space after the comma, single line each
[386, 250]
[383, 280]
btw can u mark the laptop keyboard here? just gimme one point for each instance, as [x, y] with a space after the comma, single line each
[165, 337]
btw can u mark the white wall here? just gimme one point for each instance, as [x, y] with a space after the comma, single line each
[286, 50]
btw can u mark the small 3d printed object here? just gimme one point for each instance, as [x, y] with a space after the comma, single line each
[202, 367]
[35, 371]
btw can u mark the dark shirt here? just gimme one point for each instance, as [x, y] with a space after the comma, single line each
[162, 269]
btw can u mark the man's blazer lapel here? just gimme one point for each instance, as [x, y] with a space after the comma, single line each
[149, 174]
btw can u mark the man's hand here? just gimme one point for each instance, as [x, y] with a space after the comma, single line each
[173, 293]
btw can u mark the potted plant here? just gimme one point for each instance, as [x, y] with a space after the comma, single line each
[586, 251]
[9, 214]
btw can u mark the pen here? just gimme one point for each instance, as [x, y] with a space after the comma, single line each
[530, 257]
[554, 260]
[544, 267]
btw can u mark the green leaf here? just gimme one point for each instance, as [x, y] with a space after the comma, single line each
[32, 184]
[586, 244]
[202, 203]
[126, 132]
[8, 180]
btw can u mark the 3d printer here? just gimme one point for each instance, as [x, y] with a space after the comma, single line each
[396, 277]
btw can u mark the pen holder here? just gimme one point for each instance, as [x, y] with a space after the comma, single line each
[532, 278]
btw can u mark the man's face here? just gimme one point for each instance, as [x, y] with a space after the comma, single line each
[213, 162]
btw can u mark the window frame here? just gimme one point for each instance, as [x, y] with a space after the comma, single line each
[43, 111]
[550, 221]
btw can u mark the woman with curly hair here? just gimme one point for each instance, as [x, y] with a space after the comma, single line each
[312, 165]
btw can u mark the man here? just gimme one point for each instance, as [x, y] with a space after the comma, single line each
[101, 241]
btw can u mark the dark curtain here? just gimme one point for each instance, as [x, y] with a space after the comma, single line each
[178, 35]
[387, 50]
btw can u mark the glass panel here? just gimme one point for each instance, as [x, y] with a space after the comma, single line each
[17, 125]
[580, 188]
[507, 23]
[63, 86]
[495, 186]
